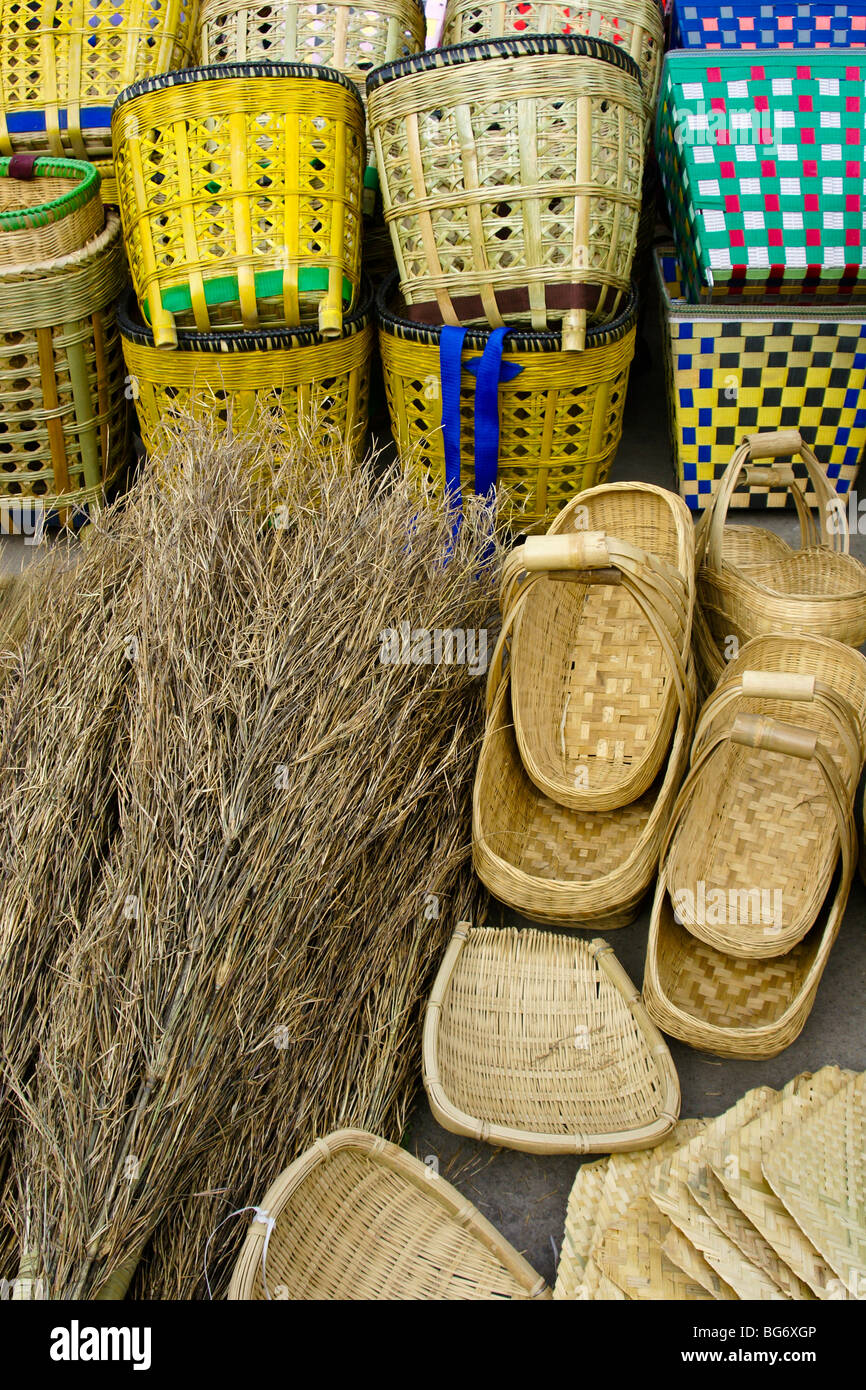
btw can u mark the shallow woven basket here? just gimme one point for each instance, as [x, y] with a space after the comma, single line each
[63, 63]
[560, 416]
[539, 1042]
[300, 380]
[755, 583]
[635, 26]
[240, 192]
[48, 208]
[597, 628]
[764, 822]
[63, 408]
[557, 866]
[511, 180]
[358, 1218]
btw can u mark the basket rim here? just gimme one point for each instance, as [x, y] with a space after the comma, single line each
[241, 340]
[519, 339]
[217, 72]
[482, 50]
[51, 211]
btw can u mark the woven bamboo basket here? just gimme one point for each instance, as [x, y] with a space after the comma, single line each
[596, 631]
[766, 822]
[539, 1042]
[300, 380]
[560, 416]
[635, 26]
[240, 192]
[511, 180]
[64, 417]
[561, 867]
[48, 209]
[63, 63]
[358, 1218]
[754, 583]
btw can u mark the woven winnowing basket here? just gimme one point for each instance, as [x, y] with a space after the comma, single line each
[240, 191]
[538, 1042]
[358, 1218]
[63, 407]
[819, 589]
[302, 382]
[557, 866]
[818, 1170]
[511, 178]
[63, 63]
[734, 369]
[560, 416]
[48, 209]
[636, 26]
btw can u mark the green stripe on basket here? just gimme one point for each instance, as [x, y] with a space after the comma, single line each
[224, 289]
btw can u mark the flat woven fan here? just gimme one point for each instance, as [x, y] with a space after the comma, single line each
[819, 1172]
[537, 1041]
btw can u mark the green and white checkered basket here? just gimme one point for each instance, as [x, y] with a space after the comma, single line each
[762, 162]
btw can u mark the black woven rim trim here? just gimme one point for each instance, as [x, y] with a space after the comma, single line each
[518, 340]
[528, 46]
[239, 340]
[218, 71]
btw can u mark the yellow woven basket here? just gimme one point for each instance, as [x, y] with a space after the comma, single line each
[240, 192]
[63, 408]
[511, 180]
[635, 26]
[295, 376]
[560, 416]
[63, 63]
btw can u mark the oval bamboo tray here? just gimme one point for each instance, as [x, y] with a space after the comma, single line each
[511, 180]
[560, 416]
[304, 383]
[755, 583]
[597, 628]
[753, 843]
[635, 26]
[539, 1042]
[556, 866]
[358, 1218]
[240, 192]
[49, 208]
[64, 413]
[62, 64]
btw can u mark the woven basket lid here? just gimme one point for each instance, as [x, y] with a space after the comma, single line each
[220, 72]
[491, 50]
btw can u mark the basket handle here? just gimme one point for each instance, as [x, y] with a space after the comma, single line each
[775, 443]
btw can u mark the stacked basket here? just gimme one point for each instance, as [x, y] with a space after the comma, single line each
[511, 169]
[63, 422]
[240, 190]
[762, 159]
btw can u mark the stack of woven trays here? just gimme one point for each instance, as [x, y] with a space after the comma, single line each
[63, 407]
[511, 163]
[62, 65]
[762, 164]
[763, 1202]
[240, 190]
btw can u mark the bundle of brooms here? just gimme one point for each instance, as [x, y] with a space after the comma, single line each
[236, 844]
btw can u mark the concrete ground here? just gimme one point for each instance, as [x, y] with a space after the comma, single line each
[525, 1196]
